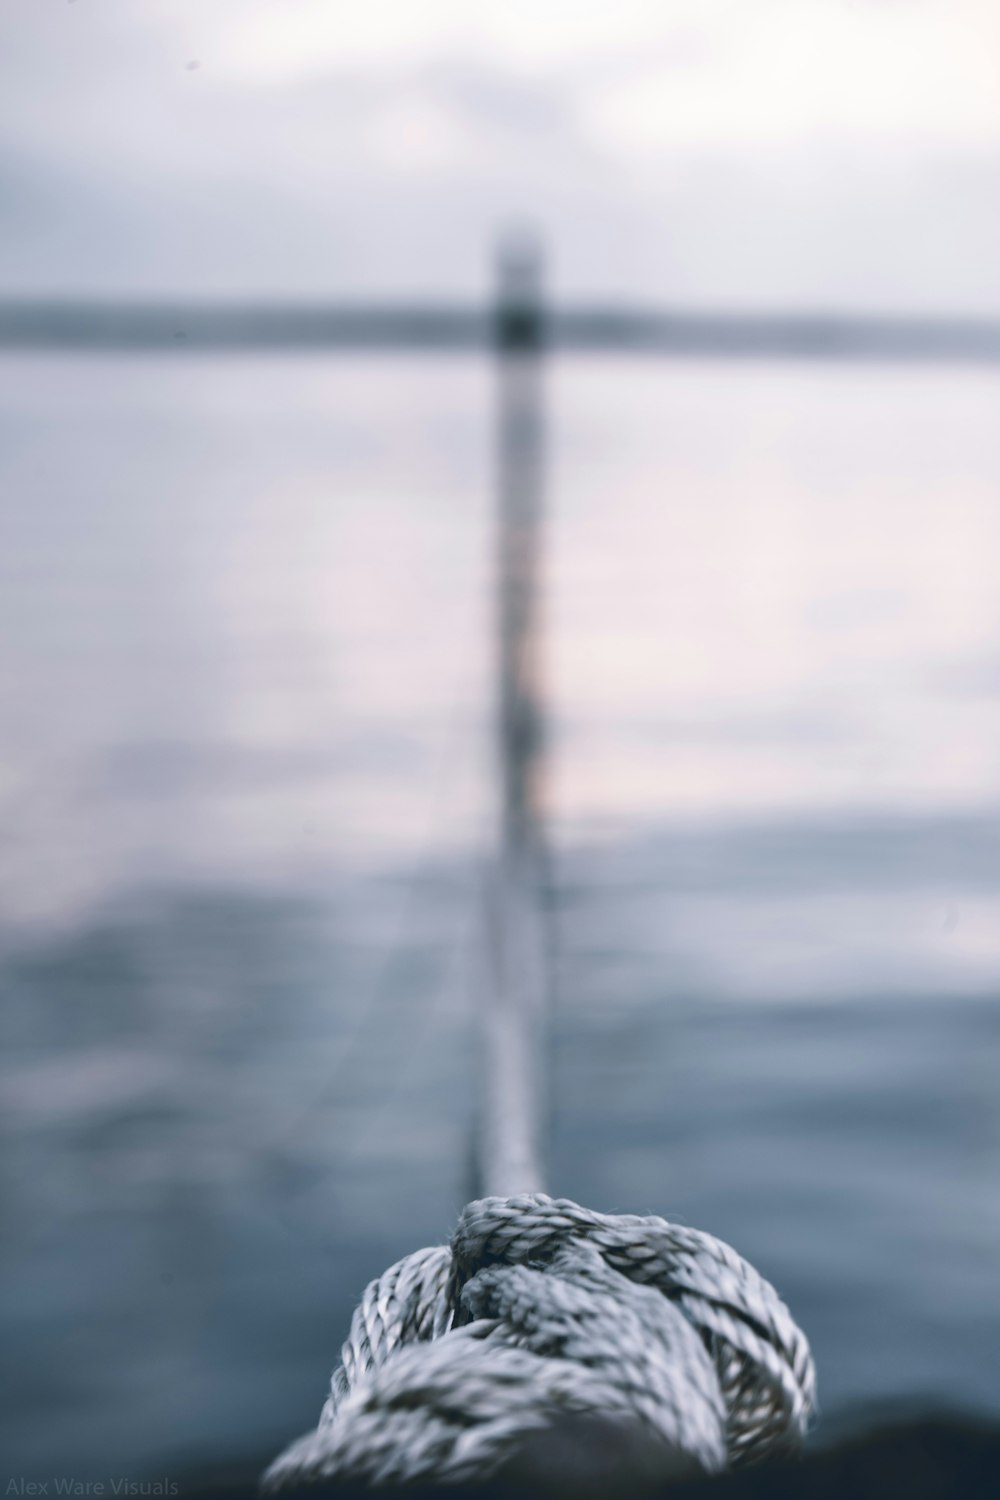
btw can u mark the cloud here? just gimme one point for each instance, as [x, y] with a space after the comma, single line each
[790, 151]
[911, 74]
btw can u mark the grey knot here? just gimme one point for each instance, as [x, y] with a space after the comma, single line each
[540, 1313]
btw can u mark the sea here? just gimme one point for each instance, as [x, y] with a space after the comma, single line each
[247, 802]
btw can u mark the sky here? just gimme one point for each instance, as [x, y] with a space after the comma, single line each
[788, 153]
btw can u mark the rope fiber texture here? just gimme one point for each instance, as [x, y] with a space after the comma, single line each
[538, 1310]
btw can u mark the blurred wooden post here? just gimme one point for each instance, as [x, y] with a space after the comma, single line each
[515, 1002]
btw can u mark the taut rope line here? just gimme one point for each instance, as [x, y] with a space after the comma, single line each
[538, 1308]
[515, 1001]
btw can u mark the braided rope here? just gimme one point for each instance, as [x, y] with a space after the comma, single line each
[539, 1308]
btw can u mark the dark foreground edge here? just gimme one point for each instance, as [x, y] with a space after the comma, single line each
[934, 1459]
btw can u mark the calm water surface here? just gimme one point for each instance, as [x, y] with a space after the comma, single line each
[245, 808]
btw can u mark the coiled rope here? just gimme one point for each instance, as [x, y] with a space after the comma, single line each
[539, 1308]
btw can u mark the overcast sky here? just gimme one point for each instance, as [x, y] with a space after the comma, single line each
[737, 152]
